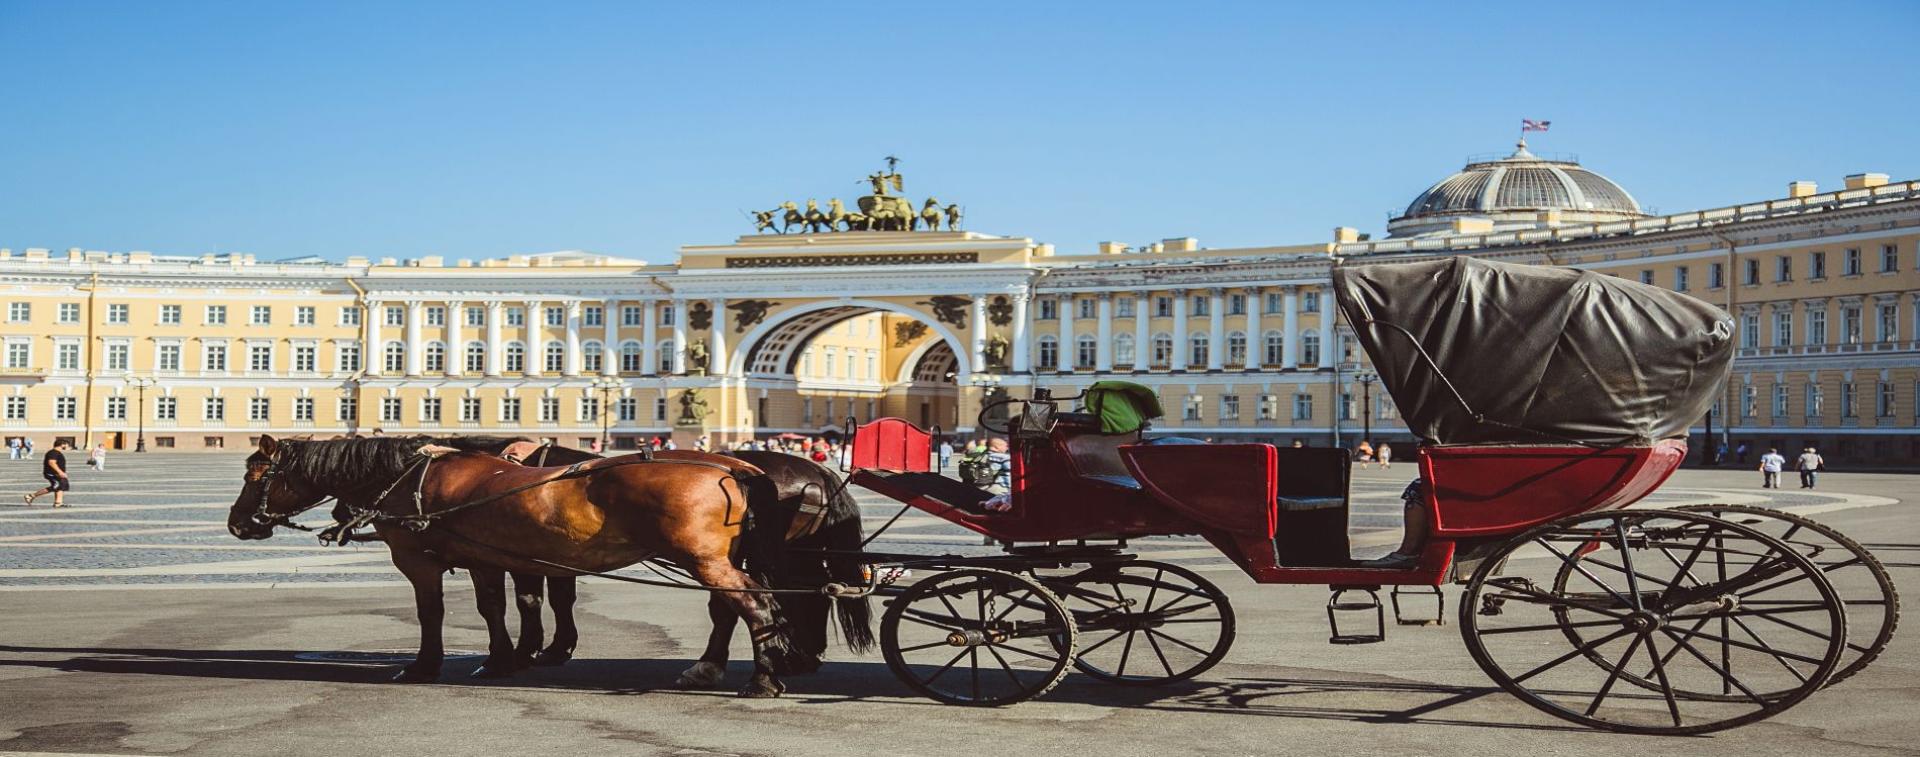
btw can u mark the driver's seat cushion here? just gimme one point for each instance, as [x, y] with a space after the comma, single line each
[1096, 456]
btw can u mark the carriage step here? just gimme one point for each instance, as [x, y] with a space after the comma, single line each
[1437, 618]
[1356, 599]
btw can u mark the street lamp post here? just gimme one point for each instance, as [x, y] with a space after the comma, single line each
[607, 385]
[140, 384]
[1366, 379]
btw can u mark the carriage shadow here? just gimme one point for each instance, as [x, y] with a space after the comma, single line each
[837, 682]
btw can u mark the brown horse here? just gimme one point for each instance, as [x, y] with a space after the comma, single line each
[479, 512]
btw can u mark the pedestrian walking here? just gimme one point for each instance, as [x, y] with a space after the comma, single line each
[1810, 464]
[946, 453]
[1741, 452]
[1770, 466]
[54, 468]
[97, 458]
[1363, 453]
[13, 448]
[1385, 453]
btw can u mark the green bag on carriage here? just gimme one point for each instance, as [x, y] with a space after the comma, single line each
[1122, 406]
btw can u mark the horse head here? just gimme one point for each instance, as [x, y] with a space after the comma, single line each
[269, 494]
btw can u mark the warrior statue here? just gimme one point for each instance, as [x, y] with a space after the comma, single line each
[953, 217]
[763, 220]
[996, 352]
[693, 408]
[697, 357]
[930, 215]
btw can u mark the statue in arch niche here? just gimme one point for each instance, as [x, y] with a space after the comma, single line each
[697, 356]
[693, 408]
[996, 352]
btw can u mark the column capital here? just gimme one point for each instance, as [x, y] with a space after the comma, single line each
[1181, 293]
[1216, 291]
[496, 305]
[1290, 289]
[573, 308]
[416, 304]
[455, 304]
[531, 304]
[1104, 296]
[1252, 290]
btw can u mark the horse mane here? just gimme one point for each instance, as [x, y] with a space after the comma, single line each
[355, 464]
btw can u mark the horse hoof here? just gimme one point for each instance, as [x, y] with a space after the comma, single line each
[763, 689]
[409, 675]
[547, 659]
[702, 675]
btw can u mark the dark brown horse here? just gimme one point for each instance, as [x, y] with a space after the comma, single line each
[476, 511]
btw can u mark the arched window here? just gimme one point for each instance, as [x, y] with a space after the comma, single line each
[1197, 354]
[592, 357]
[1162, 350]
[1276, 348]
[476, 357]
[665, 356]
[436, 358]
[516, 357]
[1123, 350]
[396, 357]
[1086, 351]
[630, 357]
[1310, 348]
[1049, 352]
[1237, 348]
[556, 357]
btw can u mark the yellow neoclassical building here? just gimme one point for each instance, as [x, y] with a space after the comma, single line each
[795, 333]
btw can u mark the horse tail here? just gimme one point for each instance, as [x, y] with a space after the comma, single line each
[843, 536]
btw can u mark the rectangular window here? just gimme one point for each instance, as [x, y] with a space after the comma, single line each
[666, 315]
[1780, 394]
[1749, 401]
[660, 409]
[348, 410]
[19, 312]
[259, 409]
[1752, 275]
[213, 357]
[1269, 407]
[214, 409]
[1851, 265]
[1310, 301]
[66, 408]
[305, 359]
[516, 316]
[1889, 258]
[1783, 268]
[259, 357]
[556, 316]
[593, 315]
[510, 409]
[1815, 401]
[19, 353]
[260, 315]
[1883, 407]
[1049, 310]
[1163, 307]
[1682, 278]
[436, 316]
[394, 315]
[216, 315]
[476, 316]
[1750, 330]
[69, 312]
[390, 409]
[1782, 327]
[470, 409]
[1816, 265]
[1192, 407]
[1123, 307]
[1646, 276]
[1889, 322]
[1817, 325]
[1716, 275]
[589, 409]
[16, 408]
[350, 316]
[349, 357]
[1303, 407]
[116, 408]
[166, 408]
[1849, 406]
[1346, 406]
[167, 357]
[1202, 306]
[430, 410]
[303, 409]
[630, 316]
[1229, 407]
[169, 315]
[1236, 304]
[305, 315]
[549, 409]
[629, 409]
[117, 314]
[66, 356]
[1852, 325]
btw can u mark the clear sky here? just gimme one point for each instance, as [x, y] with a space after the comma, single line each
[479, 130]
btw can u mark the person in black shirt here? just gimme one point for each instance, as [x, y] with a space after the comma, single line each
[54, 468]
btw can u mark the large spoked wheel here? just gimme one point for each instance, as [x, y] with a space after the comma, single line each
[977, 637]
[1657, 602]
[1865, 587]
[1145, 623]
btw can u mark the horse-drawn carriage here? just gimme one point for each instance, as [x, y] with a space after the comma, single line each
[1548, 399]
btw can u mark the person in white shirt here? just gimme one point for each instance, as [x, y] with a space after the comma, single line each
[1809, 466]
[1770, 466]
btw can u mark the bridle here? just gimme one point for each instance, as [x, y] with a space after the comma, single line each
[262, 515]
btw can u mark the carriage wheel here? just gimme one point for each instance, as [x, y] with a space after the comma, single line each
[977, 637]
[1145, 623]
[1660, 593]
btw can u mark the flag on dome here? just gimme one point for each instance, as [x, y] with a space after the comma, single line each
[1528, 124]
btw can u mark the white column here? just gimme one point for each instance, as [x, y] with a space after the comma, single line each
[979, 356]
[456, 347]
[610, 338]
[1216, 329]
[649, 340]
[1328, 356]
[496, 345]
[1103, 334]
[572, 365]
[1256, 345]
[717, 345]
[373, 354]
[416, 312]
[536, 347]
[1290, 349]
[1142, 331]
[1179, 362]
[679, 337]
[1022, 354]
[1064, 357]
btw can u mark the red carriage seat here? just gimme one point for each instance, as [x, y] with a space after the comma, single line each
[1095, 455]
[892, 444]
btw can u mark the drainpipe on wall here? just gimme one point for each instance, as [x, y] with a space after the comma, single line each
[1729, 400]
[366, 353]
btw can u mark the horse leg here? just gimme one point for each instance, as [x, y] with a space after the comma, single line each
[712, 667]
[529, 591]
[773, 651]
[490, 593]
[563, 590]
[430, 607]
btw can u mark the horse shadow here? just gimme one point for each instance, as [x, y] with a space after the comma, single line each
[1304, 695]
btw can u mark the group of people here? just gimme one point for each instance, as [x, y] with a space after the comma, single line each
[1809, 465]
[1366, 454]
[53, 466]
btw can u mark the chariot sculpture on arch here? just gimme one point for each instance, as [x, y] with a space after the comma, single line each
[886, 209]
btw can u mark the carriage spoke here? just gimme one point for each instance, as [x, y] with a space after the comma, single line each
[1641, 576]
[1575, 564]
[1004, 666]
[1666, 686]
[1160, 653]
[1724, 674]
[974, 654]
[1770, 650]
[1103, 642]
[912, 615]
[1548, 627]
[1528, 592]
[1776, 653]
[1029, 653]
[944, 668]
[1577, 651]
[1151, 633]
[1125, 650]
[1601, 695]
[928, 645]
[1151, 593]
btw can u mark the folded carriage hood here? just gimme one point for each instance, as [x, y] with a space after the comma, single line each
[1540, 354]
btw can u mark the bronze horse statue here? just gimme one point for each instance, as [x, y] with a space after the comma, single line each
[477, 511]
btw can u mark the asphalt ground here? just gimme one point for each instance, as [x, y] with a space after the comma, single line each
[131, 623]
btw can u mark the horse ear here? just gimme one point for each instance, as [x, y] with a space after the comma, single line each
[268, 445]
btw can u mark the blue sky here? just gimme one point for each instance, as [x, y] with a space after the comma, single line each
[480, 130]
